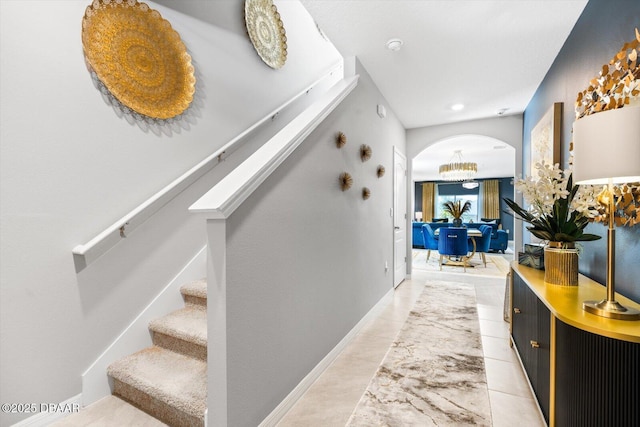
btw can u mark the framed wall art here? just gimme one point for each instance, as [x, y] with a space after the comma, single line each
[545, 138]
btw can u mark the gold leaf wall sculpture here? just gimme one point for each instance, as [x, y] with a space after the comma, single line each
[616, 85]
[626, 202]
[138, 57]
[346, 181]
[380, 171]
[266, 31]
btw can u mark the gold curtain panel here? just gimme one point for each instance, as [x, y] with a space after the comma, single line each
[428, 201]
[266, 31]
[491, 199]
[138, 57]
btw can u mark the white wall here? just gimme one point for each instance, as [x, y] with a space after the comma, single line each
[305, 261]
[71, 167]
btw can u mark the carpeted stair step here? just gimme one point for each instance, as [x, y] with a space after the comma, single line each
[183, 331]
[110, 411]
[170, 386]
[195, 293]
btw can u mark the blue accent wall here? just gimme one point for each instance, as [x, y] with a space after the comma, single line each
[599, 34]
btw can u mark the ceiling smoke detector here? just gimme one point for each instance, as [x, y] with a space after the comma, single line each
[394, 44]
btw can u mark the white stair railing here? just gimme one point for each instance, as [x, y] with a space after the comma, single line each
[85, 254]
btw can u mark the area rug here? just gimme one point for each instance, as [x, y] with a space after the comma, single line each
[497, 266]
[433, 374]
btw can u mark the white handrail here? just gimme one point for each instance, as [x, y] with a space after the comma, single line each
[233, 189]
[85, 254]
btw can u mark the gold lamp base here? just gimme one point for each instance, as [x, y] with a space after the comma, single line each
[611, 310]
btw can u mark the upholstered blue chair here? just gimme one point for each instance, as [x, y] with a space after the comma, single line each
[500, 241]
[430, 239]
[483, 243]
[453, 242]
[417, 238]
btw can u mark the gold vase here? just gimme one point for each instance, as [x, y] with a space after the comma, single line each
[561, 264]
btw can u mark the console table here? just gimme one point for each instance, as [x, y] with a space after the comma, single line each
[583, 369]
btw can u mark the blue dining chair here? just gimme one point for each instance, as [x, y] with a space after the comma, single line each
[483, 243]
[453, 242]
[430, 239]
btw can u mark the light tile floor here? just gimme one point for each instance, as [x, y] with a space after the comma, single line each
[332, 398]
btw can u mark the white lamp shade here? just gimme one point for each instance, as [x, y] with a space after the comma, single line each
[606, 145]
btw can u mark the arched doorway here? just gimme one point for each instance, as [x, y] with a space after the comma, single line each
[496, 160]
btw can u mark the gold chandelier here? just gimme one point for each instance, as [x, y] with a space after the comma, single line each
[458, 170]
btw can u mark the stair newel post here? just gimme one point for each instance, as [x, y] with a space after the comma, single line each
[216, 323]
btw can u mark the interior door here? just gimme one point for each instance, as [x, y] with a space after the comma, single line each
[399, 217]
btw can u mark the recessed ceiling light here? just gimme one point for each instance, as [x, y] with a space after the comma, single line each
[457, 107]
[394, 44]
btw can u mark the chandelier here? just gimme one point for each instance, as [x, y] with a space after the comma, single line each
[457, 170]
[470, 184]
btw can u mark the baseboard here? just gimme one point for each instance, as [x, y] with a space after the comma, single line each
[281, 410]
[95, 382]
[48, 413]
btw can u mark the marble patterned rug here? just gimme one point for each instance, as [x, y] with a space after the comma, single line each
[433, 374]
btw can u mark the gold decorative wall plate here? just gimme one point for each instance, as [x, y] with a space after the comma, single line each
[266, 31]
[139, 58]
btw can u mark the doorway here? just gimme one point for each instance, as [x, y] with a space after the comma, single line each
[399, 217]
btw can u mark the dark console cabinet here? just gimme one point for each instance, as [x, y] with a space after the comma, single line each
[531, 336]
[583, 369]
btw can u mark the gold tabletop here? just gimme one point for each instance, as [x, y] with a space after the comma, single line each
[565, 303]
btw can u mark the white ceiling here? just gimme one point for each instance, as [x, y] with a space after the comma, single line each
[489, 55]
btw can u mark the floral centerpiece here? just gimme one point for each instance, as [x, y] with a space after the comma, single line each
[558, 213]
[558, 210]
[456, 209]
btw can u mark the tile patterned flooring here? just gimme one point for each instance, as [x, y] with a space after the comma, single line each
[332, 398]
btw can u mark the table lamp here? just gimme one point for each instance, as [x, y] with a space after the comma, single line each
[606, 150]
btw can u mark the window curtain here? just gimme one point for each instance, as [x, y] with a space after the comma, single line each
[428, 200]
[491, 199]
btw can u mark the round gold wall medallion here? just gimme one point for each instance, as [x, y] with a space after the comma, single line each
[266, 31]
[138, 57]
